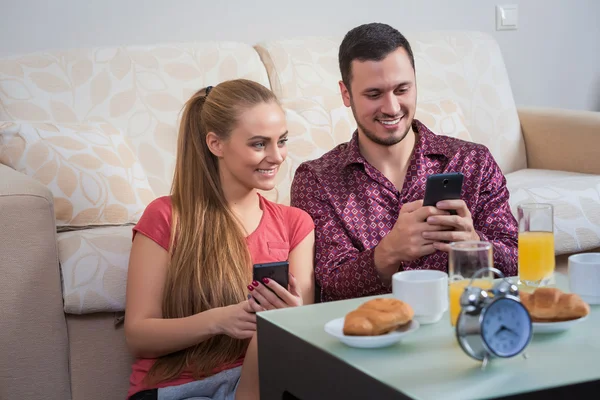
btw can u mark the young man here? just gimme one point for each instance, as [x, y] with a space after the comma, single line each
[365, 196]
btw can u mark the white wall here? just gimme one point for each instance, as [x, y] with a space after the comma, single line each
[553, 59]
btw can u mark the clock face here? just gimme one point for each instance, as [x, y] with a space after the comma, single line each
[506, 327]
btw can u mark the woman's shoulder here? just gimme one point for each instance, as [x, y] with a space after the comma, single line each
[158, 209]
[296, 222]
[285, 212]
[155, 222]
[162, 203]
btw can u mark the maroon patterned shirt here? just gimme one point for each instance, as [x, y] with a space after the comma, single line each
[354, 206]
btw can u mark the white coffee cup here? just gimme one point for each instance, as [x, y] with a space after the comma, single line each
[584, 276]
[426, 291]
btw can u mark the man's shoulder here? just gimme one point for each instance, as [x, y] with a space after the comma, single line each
[455, 148]
[329, 163]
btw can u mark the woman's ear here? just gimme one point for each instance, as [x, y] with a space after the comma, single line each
[215, 144]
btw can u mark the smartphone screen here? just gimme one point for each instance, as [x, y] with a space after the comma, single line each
[447, 186]
[278, 271]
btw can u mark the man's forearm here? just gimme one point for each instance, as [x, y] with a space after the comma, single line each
[350, 279]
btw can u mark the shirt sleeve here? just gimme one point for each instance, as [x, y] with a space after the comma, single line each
[493, 220]
[341, 270]
[300, 224]
[155, 222]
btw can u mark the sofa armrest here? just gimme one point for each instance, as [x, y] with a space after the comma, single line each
[563, 140]
[33, 334]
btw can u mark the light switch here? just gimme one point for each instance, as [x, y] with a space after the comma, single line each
[507, 17]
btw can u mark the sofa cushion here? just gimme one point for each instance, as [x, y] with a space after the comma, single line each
[466, 67]
[93, 264]
[138, 89]
[90, 169]
[576, 201]
[444, 117]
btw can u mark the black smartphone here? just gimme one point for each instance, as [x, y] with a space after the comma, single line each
[447, 186]
[278, 271]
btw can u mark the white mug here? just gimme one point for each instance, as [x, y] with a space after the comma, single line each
[584, 276]
[426, 291]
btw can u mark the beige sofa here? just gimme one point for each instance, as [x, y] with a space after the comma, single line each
[68, 117]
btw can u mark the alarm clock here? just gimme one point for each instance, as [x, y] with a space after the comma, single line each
[493, 323]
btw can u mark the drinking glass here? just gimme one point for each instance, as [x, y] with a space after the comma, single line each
[536, 244]
[465, 259]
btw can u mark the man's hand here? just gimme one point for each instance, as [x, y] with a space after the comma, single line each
[406, 241]
[457, 228]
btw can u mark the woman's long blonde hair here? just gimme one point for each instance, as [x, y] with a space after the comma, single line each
[210, 265]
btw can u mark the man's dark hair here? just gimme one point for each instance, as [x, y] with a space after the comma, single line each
[370, 42]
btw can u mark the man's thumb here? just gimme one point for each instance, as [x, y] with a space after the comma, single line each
[412, 206]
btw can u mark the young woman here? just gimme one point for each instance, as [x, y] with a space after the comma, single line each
[191, 302]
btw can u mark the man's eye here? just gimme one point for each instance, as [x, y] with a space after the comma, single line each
[373, 95]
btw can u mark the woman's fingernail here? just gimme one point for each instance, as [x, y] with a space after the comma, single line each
[265, 281]
[255, 283]
[250, 287]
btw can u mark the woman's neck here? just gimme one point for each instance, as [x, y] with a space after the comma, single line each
[244, 202]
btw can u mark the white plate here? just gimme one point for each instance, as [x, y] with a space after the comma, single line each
[335, 328]
[553, 327]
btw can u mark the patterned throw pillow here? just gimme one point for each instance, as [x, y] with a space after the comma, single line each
[93, 174]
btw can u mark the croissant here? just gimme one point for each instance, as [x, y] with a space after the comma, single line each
[377, 317]
[553, 305]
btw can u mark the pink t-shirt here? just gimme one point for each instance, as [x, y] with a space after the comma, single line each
[279, 231]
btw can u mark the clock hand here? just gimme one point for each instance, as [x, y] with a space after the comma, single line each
[512, 332]
[504, 328]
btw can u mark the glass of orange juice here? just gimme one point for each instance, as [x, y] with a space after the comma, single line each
[536, 243]
[464, 260]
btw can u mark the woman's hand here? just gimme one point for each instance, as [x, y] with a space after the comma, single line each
[271, 295]
[238, 320]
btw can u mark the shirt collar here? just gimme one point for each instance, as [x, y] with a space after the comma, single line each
[428, 143]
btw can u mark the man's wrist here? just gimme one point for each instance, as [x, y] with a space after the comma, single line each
[385, 264]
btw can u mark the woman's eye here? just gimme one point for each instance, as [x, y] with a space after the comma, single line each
[259, 145]
[282, 142]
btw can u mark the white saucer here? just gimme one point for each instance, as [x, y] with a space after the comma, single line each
[553, 327]
[335, 328]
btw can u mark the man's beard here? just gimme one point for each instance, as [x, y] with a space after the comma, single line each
[388, 141]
